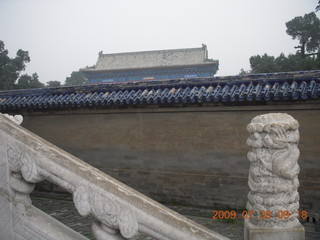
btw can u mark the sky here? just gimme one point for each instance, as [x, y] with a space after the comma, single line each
[63, 36]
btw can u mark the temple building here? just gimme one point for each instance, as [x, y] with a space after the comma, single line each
[152, 65]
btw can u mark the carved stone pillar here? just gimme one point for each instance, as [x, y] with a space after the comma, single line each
[273, 200]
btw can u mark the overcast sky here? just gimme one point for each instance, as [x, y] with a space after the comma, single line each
[65, 35]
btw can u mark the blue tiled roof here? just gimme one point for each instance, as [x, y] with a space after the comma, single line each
[259, 88]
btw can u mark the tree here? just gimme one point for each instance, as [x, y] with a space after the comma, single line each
[282, 63]
[53, 84]
[262, 64]
[294, 62]
[26, 81]
[76, 78]
[318, 6]
[306, 29]
[10, 68]
[244, 72]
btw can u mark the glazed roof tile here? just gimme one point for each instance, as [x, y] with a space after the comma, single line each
[259, 88]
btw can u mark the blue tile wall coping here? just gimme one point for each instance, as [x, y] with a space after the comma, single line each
[247, 89]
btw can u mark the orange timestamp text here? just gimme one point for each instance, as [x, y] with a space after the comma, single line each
[262, 215]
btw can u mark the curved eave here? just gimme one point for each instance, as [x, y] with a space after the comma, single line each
[94, 70]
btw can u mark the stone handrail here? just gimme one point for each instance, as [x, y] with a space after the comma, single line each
[119, 211]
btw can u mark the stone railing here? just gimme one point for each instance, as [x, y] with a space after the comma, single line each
[119, 211]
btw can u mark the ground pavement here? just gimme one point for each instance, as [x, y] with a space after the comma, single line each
[63, 210]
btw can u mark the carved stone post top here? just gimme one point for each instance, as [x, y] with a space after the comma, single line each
[273, 131]
[16, 118]
[264, 122]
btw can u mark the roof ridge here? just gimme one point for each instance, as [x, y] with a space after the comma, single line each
[149, 51]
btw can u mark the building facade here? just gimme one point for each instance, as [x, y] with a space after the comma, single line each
[152, 65]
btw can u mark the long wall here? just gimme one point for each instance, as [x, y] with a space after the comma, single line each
[193, 155]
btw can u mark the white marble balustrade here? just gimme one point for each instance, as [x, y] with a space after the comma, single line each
[120, 212]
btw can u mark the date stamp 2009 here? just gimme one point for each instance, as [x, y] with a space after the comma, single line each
[262, 215]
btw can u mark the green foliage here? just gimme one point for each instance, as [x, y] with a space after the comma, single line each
[318, 6]
[10, 68]
[306, 29]
[262, 64]
[26, 81]
[53, 84]
[244, 72]
[76, 78]
[292, 62]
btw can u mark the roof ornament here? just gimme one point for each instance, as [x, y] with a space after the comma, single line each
[100, 53]
[204, 47]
